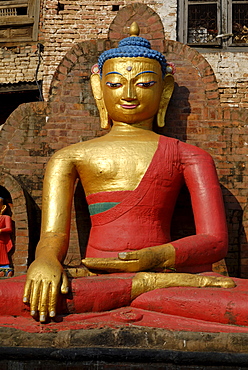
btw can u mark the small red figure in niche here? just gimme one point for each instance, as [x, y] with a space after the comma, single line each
[5, 241]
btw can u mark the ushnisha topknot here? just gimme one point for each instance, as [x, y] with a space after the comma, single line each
[133, 47]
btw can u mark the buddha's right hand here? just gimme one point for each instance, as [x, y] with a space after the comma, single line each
[160, 256]
[45, 278]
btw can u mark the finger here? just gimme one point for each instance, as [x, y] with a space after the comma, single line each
[34, 298]
[65, 284]
[53, 296]
[128, 255]
[111, 265]
[97, 263]
[43, 301]
[54, 292]
[27, 289]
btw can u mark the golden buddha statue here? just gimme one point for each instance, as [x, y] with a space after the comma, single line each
[131, 178]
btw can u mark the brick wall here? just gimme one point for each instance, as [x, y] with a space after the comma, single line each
[22, 160]
[64, 24]
[232, 76]
[34, 131]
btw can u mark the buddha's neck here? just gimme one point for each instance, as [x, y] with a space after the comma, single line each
[122, 128]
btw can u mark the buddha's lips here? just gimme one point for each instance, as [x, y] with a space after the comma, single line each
[129, 106]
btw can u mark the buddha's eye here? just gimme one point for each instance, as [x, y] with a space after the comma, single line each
[113, 85]
[146, 84]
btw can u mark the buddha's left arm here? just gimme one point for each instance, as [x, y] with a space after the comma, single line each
[211, 240]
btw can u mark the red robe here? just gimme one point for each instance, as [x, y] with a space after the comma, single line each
[142, 217]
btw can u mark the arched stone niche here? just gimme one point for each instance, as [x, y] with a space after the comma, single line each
[12, 192]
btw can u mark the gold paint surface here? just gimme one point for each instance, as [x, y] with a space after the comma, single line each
[134, 29]
[146, 281]
[131, 98]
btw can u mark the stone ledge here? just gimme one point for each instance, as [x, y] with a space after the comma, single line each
[129, 338]
[127, 347]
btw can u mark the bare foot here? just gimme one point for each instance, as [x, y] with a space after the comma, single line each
[221, 282]
[147, 281]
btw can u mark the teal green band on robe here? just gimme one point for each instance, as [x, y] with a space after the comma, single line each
[101, 207]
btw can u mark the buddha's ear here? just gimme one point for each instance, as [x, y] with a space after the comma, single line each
[98, 95]
[3, 208]
[165, 98]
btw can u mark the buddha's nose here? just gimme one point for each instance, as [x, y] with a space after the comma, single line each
[129, 92]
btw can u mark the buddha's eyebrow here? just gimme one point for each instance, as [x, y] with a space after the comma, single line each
[140, 73]
[145, 72]
[111, 73]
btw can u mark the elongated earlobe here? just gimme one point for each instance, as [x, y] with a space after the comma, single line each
[97, 92]
[3, 209]
[165, 98]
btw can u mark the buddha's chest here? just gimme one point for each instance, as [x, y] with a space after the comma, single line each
[115, 167]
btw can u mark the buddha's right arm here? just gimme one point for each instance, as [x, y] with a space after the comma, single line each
[46, 277]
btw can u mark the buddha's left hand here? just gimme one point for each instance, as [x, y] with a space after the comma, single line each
[144, 259]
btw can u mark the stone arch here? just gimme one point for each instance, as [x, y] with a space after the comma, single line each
[19, 254]
[151, 26]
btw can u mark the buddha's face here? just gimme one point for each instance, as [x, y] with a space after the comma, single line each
[132, 88]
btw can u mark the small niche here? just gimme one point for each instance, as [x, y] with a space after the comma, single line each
[115, 8]
[22, 11]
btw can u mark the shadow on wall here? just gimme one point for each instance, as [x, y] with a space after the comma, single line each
[34, 222]
[11, 100]
[177, 114]
[236, 232]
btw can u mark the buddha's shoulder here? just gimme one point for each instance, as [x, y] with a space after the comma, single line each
[78, 150]
[189, 150]
[184, 152]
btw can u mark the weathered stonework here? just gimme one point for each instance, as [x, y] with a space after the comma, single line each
[19, 64]
[18, 60]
